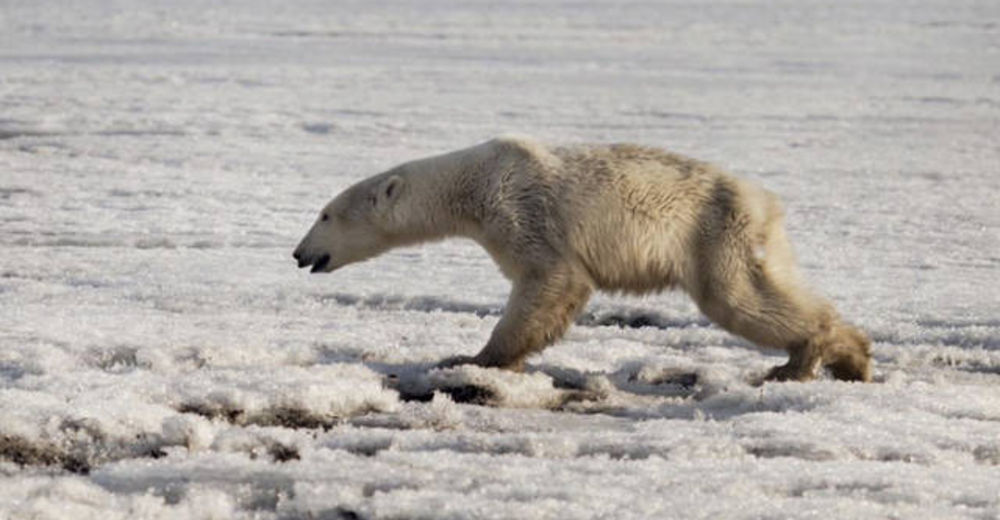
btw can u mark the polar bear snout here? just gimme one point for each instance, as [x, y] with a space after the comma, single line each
[318, 262]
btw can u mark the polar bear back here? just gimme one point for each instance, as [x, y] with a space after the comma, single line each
[634, 211]
[634, 218]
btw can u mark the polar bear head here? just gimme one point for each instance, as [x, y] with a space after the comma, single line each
[356, 225]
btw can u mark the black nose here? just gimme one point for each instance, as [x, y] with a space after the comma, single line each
[300, 259]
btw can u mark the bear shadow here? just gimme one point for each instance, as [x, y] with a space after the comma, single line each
[620, 317]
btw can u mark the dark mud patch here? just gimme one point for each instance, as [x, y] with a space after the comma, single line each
[681, 380]
[337, 513]
[466, 394]
[637, 319]
[81, 454]
[284, 417]
[966, 365]
[115, 360]
[13, 133]
[8, 192]
[419, 386]
[418, 303]
[283, 453]
[23, 452]
[470, 394]
[988, 454]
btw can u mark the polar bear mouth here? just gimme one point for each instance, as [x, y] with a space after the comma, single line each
[320, 264]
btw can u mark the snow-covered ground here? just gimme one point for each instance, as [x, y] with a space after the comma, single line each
[161, 357]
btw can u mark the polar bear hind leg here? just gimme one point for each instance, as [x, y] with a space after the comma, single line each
[747, 283]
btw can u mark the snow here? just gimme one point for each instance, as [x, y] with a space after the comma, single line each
[161, 357]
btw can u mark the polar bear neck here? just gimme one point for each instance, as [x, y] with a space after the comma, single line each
[438, 200]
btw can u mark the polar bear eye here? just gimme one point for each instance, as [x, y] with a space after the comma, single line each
[325, 217]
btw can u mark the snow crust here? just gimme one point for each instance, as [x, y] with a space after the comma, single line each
[160, 356]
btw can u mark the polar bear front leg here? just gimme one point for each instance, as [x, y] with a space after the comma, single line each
[540, 309]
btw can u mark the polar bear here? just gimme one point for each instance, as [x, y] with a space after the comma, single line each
[563, 221]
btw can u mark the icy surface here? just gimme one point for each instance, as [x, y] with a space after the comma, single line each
[161, 357]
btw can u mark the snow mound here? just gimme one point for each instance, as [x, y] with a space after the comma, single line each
[140, 414]
[488, 386]
[317, 396]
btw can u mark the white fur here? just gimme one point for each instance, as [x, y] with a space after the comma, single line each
[561, 222]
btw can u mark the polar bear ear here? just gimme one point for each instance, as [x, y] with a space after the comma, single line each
[388, 190]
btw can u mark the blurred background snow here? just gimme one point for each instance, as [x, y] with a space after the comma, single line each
[161, 357]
